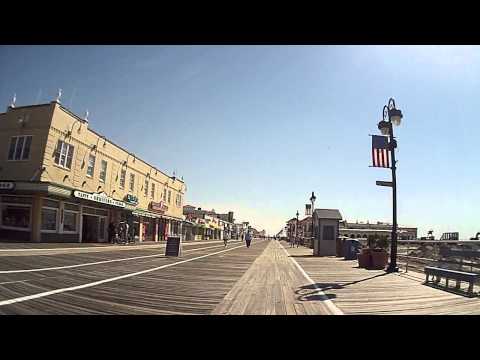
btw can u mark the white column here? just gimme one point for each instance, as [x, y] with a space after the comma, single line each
[80, 225]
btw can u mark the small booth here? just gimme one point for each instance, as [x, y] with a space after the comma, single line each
[326, 223]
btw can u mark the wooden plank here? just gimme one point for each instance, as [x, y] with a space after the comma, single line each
[360, 291]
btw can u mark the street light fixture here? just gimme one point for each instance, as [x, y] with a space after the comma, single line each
[312, 200]
[392, 116]
[296, 230]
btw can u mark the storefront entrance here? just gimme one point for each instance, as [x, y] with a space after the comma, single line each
[148, 229]
[93, 228]
[162, 229]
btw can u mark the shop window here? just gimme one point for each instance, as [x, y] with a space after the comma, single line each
[132, 182]
[103, 171]
[72, 207]
[123, 174]
[153, 191]
[49, 219]
[70, 221]
[91, 165]
[101, 212]
[16, 216]
[20, 148]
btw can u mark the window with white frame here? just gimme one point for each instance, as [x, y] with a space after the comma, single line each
[103, 171]
[178, 200]
[145, 188]
[169, 195]
[91, 165]
[123, 174]
[20, 147]
[132, 182]
[64, 154]
[152, 194]
[70, 218]
[49, 216]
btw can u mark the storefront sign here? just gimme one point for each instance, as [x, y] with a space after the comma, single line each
[158, 207]
[98, 197]
[131, 199]
[174, 246]
[7, 185]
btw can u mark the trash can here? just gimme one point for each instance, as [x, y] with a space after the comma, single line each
[351, 249]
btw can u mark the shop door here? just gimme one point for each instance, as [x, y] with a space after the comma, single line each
[328, 243]
[148, 228]
[101, 229]
[89, 228]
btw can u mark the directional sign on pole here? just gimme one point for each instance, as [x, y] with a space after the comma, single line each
[384, 183]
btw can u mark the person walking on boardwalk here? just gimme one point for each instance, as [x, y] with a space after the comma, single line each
[225, 241]
[111, 232]
[248, 238]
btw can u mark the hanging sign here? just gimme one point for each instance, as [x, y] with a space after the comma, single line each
[158, 207]
[99, 197]
[384, 183]
[131, 199]
[4, 185]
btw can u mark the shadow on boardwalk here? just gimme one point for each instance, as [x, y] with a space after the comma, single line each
[310, 292]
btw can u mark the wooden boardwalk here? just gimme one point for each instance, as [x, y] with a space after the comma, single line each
[194, 287]
[360, 291]
[271, 287]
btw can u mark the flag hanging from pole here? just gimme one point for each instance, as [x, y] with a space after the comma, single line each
[308, 208]
[380, 151]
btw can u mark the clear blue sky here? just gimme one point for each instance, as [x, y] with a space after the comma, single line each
[255, 129]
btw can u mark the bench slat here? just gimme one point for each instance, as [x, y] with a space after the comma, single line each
[434, 270]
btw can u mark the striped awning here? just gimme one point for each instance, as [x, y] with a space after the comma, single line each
[145, 214]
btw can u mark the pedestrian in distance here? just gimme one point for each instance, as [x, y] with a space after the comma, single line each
[248, 239]
[225, 241]
[111, 232]
[127, 232]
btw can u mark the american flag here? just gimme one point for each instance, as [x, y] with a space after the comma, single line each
[380, 151]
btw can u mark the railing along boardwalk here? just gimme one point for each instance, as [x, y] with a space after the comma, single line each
[271, 286]
[360, 291]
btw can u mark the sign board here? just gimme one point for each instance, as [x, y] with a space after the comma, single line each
[174, 246]
[4, 185]
[158, 207]
[131, 199]
[98, 197]
[384, 183]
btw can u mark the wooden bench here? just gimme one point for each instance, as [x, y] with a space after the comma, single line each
[459, 276]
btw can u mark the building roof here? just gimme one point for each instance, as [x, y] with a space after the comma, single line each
[71, 113]
[307, 219]
[328, 214]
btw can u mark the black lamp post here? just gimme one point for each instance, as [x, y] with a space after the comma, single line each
[312, 200]
[392, 116]
[296, 230]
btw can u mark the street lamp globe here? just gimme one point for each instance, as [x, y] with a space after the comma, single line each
[395, 116]
[384, 127]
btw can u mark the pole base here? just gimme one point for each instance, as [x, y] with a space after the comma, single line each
[392, 268]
